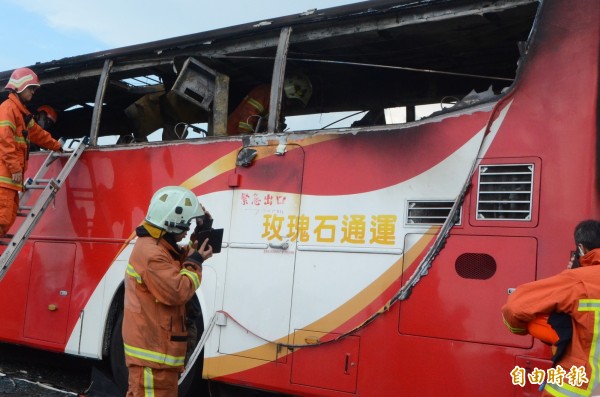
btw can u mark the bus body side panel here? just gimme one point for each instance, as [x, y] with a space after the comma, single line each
[349, 253]
[439, 347]
[102, 202]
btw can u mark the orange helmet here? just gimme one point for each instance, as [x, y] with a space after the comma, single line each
[540, 329]
[50, 112]
[22, 78]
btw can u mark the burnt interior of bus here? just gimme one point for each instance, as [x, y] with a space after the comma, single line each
[362, 57]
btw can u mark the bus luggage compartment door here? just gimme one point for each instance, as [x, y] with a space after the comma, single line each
[466, 286]
[49, 296]
[260, 268]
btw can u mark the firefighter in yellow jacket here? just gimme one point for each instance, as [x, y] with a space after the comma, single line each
[17, 130]
[161, 277]
[575, 294]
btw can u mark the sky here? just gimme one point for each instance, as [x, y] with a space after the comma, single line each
[46, 30]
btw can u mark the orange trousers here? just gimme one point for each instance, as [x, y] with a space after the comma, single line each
[145, 381]
[9, 205]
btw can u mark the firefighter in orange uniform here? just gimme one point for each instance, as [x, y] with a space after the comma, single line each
[17, 129]
[160, 279]
[574, 292]
[255, 106]
[46, 116]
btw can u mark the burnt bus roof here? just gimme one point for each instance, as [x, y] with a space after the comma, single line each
[362, 56]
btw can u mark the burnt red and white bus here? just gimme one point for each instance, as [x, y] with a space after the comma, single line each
[369, 256]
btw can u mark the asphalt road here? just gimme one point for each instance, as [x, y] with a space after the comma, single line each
[29, 372]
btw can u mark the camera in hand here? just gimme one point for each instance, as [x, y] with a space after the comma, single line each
[575, 259]
[205, 230]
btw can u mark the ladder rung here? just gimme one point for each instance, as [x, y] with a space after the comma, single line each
[24, 214]
[52, 182]
[67, 153]
[34, 212]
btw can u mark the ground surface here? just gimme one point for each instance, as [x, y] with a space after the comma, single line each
[29, 372]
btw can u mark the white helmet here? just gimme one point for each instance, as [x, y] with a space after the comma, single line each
[298, 86]
[172, 209]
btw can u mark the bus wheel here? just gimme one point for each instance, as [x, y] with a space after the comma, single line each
[193, 385]
[118, 368]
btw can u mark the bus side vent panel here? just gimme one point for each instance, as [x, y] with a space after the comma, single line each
[505, 192]
[421, 212]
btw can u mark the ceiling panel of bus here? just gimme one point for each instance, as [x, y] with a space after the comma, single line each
[363, 56]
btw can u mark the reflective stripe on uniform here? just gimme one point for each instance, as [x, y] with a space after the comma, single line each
[155, 357]
[589, 305]
[192, 275]
[567, 390]
[21, 81]
[9, 181]
[512, 329]
[245, 127]
[257, 105]
[8, 123]
[11, 125]
[148, 382]
[131, 271]
[593, 305]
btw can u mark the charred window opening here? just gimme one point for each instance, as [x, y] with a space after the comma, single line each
[369, 66]
[142, 81]
[405, 72]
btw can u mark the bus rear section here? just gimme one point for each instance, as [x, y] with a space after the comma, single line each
[358, 292]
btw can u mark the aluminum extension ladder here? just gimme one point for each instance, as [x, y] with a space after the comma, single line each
[34, 212]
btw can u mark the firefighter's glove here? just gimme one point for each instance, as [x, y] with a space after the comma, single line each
[203, 223]
[194, 261]
[205, 250]
[17, 177]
